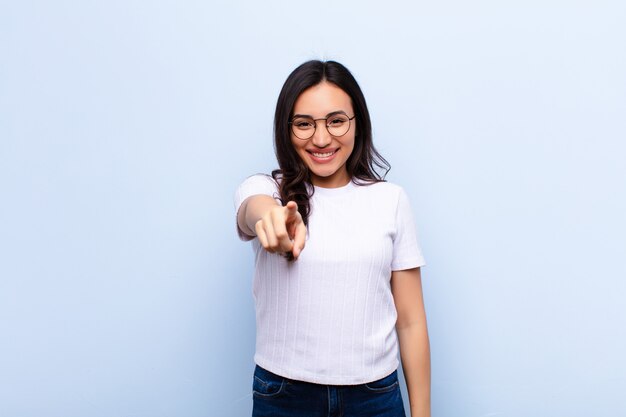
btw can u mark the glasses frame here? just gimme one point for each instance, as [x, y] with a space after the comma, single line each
[325, 119]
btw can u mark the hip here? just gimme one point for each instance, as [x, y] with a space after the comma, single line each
[277, 396]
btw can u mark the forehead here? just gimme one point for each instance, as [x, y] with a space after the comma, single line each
[322, 99]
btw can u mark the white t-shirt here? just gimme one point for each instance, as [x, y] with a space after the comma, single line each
[329, 317]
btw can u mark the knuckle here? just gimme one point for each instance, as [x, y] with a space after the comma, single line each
[266, 219]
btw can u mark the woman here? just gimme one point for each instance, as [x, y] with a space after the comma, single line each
[337, 285]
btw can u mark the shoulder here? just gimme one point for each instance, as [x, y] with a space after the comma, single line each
[385, 196]
[261, 179]
[263, 183]
[382, 189]
[256, 184]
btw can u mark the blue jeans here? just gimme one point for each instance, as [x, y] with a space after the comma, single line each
[275, 396]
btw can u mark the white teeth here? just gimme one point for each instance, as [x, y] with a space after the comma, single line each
[322, 155]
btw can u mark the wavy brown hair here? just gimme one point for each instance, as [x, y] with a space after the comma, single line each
[293, 176]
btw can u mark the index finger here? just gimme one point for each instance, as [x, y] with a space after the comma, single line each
[279, 222]
[292, 210]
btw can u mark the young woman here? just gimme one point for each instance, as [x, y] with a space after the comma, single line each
[337, 286]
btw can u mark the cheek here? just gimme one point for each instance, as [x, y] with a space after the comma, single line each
[353, 149]
[294, 144]
[299, 150]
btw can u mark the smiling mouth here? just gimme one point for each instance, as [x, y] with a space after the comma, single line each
[323, 154]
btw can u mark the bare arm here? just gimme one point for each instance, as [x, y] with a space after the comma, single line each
[279, 229]
[406, 287]
[251, 211]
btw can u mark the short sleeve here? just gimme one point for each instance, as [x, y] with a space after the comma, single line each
[254, 185]
[407, 253]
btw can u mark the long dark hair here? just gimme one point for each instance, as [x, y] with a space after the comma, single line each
[293, 175]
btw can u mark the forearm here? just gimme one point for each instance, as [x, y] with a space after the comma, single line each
[415, 353]
[251, 211]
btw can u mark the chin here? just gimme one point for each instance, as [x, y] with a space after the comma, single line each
[322, 174]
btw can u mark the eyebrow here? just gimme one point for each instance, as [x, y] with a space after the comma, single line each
[332, 113]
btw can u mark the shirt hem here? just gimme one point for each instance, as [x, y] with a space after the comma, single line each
[408, 265]
[299, 376]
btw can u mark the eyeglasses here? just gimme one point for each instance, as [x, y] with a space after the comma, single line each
[337, 125]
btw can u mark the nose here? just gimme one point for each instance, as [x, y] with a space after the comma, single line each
[321, 138]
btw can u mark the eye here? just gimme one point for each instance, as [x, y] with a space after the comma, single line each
[336, 121]
[303, 124]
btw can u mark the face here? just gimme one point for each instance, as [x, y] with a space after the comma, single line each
[324, 154]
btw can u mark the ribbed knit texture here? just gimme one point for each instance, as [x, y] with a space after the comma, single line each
[329, 317]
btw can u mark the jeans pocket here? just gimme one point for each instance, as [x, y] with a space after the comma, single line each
[386, 384]
[266, 383]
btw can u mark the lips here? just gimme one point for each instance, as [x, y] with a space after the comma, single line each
[322, 157]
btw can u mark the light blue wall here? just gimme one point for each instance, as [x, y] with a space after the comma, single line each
[125, 127]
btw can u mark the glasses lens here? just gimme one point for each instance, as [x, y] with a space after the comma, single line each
[338, 125]
[303, 127]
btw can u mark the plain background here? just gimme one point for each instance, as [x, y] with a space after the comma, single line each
[125, 127]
